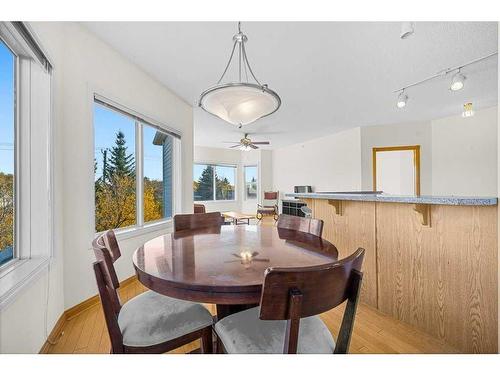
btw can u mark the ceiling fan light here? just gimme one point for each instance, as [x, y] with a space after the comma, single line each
[402, 99]
[457, 82]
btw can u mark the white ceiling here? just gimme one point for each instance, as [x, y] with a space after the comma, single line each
[330, 75]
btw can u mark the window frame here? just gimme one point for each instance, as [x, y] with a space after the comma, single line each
[245, 182]
[33, 244]
[140, 120]
[215, 165]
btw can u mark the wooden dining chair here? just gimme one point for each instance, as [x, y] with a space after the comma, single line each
[199, 208]
[301, 224]
[287, 320]
[150, 322]
[197, 221]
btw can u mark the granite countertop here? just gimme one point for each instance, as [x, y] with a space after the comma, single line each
[422, 199]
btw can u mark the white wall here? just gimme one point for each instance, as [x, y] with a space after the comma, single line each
[458, 156]
[331, 163]
[464, 154]
[84, 64]
[26, 321]
[417, 133]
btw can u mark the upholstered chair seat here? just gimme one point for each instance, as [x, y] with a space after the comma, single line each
[151, 318]
[245, 333]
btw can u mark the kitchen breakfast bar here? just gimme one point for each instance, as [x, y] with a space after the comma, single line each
[431, 261]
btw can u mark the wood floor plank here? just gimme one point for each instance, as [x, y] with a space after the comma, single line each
[373, 331]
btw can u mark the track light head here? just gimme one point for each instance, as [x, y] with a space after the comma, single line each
[402, 99]
[457, 81]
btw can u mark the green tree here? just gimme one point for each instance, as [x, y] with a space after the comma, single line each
[119, 162]
[205, 191]
[224, 188]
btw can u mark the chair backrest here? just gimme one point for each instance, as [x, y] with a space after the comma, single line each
[197, 221]
[271, 195]
[199, 208]
[107, 252]
[271, 199]
[301, 224]
[294, 293]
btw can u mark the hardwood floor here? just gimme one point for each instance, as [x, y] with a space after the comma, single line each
[373, 331]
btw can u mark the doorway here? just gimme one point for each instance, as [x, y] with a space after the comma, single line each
[396, 170]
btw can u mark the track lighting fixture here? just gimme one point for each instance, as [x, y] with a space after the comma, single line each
[457, 81]
[402, 99]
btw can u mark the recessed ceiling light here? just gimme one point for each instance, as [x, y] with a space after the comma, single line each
[407, 30]
[457, 82]
[402, 99]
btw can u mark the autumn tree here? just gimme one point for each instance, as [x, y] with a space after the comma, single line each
[115, 190]
[6, 210]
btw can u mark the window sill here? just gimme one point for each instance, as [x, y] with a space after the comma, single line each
[18, 275]
[131, 232]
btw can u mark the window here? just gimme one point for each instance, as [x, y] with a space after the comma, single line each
[114, 169]
[214, 182]
[7, 167]
[130, 190]
[251, 181]
[25, 159]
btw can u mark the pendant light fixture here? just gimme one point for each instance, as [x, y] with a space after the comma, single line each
[242, 102]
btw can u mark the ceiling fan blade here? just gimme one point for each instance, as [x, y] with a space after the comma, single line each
[253, 146]
[261, 143]
[229, 142]
[238, 145]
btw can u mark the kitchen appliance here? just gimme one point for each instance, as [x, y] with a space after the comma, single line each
[302, 189]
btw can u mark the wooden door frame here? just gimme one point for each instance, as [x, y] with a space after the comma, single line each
[416, 162]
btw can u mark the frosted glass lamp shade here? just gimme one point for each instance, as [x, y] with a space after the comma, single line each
[240, 103]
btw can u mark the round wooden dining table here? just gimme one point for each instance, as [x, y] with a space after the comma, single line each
[225, 265]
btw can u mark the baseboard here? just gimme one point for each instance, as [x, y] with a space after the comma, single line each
[74, 311]
[54, 334]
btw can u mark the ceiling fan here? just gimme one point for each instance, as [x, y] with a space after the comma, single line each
[246, 144]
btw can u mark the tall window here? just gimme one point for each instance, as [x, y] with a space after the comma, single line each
[133, 170]
[7, 166]
[251, 184]
[114, 167]
[214, 182]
